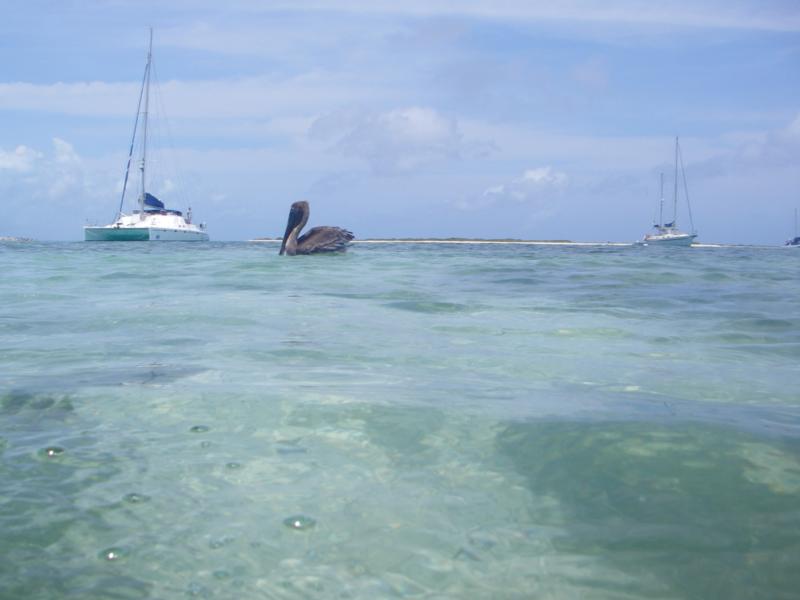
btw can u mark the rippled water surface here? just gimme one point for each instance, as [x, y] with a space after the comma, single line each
[416, 421]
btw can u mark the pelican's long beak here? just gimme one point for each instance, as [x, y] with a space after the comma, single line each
[294, 218]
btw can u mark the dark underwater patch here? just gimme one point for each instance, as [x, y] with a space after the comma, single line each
[697, 507]
[428, 307]
[20, 401]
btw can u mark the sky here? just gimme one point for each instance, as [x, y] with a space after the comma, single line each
[420, 118]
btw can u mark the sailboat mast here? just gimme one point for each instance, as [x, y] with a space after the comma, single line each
[675, 198]
[661, 204]
[144, 115]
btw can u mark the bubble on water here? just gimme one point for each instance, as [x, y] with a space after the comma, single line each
[289, 442]
[299, 522]
[135, 498]
[113, 554]
[220, 542]
[290, 446]
[205, 444]
[222, 574]
[291, 450]
[199, 429]
[482, 540]
[464, 553]
[197, 589]
[53, 451]
[233, 465]
[357, 569]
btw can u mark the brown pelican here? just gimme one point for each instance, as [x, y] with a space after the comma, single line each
[316, 239]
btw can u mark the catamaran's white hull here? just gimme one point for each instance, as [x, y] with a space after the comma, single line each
[163, 226]
[142, 234]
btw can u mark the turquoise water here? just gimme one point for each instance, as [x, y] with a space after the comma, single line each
[403, 421]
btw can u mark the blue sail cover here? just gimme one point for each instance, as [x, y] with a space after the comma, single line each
[152, 203]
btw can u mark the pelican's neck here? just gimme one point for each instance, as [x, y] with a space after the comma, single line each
[291, 241]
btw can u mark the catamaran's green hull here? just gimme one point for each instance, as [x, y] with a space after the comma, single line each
[108, 234]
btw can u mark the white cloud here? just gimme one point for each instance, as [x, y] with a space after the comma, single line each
[537, 189]
[723, 14]
[793, 128]
[64, 175]
[59, 175]
[750, 152]
[751, 14]
[394, 141]
[20, 159]
[93, 98]
[64, 153]
[294, 43]
[261, 97]
[542, 177]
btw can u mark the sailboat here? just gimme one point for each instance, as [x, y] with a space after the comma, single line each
[152, 220]
[668, 233]
[795, 241]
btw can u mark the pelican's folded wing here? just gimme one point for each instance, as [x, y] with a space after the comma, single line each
[323, 239]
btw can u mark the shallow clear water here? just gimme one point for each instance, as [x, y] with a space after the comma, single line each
[400, 421]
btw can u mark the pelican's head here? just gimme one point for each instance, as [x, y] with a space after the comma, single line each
[298, 215]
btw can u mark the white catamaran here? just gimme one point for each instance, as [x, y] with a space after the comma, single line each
[152, 221]
[668, 233]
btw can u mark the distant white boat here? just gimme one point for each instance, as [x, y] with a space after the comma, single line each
[795, 241]
[152, 221]
[668, 234]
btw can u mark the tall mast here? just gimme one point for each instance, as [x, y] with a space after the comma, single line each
[675, 199]
[661, 204]
[144, 115]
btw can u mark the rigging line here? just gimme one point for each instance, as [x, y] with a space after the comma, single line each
[133, 140]
[173, 167]
[655, 214]
[142, 198]
[157, 165]
[675, 199]
[686, 189]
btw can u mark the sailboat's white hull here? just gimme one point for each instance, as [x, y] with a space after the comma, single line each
[675, 239]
